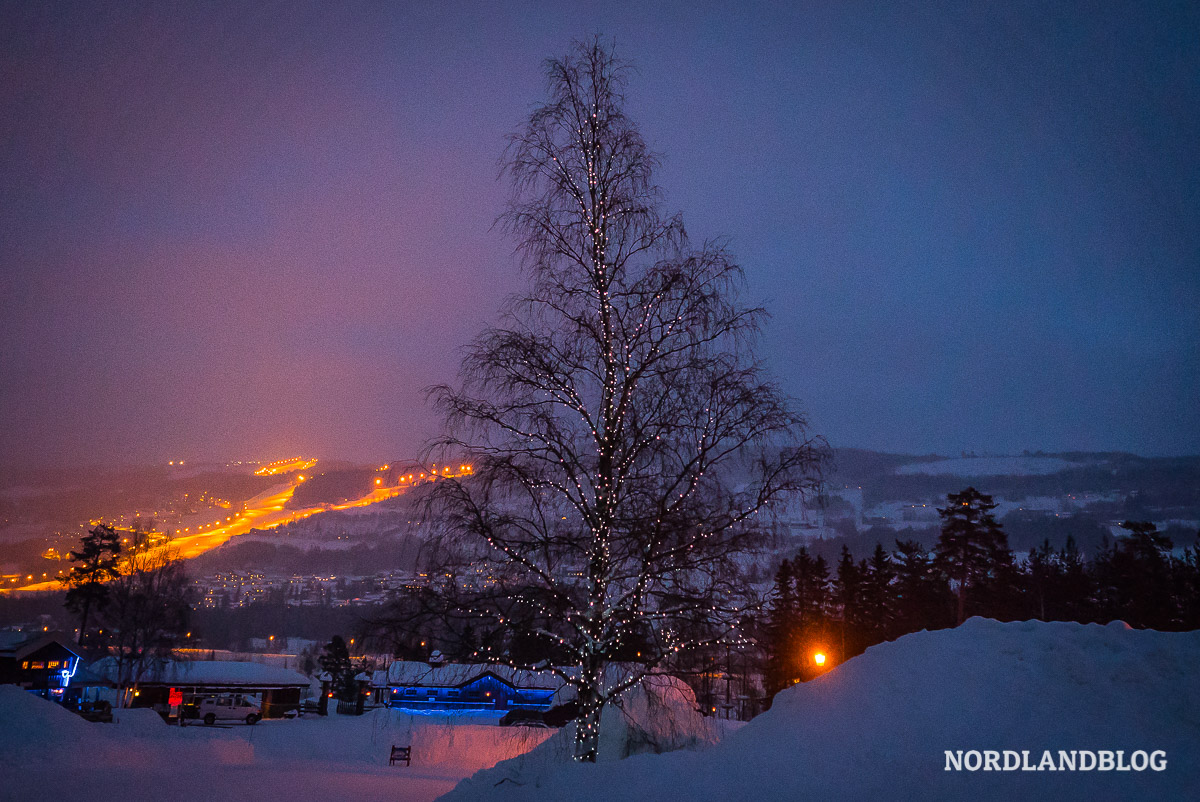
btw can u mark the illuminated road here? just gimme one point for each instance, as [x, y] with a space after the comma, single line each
[265, 511]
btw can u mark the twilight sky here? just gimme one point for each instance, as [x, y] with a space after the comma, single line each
[261, 229]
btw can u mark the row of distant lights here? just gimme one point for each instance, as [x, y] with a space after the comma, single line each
[446, 471]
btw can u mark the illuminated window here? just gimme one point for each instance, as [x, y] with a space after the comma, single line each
[25, 664]
[52, 664]
[38, 665]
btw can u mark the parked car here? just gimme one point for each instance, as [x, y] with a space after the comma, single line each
[561, 715]
[229, 708]
[98, 710]
[523, 718]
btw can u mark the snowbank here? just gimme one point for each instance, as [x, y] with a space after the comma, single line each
[46, 751]
[879, 725]
[659, 715]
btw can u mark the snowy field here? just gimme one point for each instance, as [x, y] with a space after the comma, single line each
[47, 752]
[877, 727]
[990, 466]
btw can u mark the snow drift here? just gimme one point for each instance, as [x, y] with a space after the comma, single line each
[46, 751]
[880, 725]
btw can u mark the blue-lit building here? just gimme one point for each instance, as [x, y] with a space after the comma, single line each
[462, 687]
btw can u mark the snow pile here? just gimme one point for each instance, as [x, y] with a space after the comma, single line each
[36, 733]
[471, 746]
[359, 741]
[49, 752]
[659, 715]
[879, 726]
[138, 722]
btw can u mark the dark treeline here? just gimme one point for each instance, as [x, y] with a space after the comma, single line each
[233, 628]
[844, 608]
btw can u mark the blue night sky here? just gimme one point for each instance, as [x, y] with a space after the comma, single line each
[259, 230]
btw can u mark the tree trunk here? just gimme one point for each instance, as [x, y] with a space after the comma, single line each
[87, 604]
[587, 727]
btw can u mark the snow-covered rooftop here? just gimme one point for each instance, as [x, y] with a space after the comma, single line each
[9, 641]
[453, 675]
[211, 673]
[17, 644]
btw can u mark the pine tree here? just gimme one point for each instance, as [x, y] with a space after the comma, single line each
[878, 605]
[96, 564]
[335, 661]
[972, 548]
[848, 599]
[1135, 578]
[782, 632]
[1044, 576]
[922, 597]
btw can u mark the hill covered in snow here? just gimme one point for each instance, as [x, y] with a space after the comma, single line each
[887, 724]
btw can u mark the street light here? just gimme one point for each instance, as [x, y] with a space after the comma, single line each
[819, 658]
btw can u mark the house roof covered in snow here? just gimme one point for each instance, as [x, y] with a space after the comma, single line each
[16, 645]
[210, 674]
[455, 675]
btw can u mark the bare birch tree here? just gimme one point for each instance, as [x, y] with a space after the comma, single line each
[622, 436]
[147, 612]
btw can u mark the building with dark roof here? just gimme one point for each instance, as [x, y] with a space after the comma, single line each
[44, 663]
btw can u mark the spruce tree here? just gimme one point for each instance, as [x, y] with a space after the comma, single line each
[336, 662]
[847, 593]
[878, 596]
[972, 548]
[96, 563]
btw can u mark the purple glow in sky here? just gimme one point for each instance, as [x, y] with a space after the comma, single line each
[255, 230]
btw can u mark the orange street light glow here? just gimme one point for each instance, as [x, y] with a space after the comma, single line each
[819, 658]
[264, 511]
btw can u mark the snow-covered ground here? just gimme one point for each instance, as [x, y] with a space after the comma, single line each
[878, 727]
[49, 753]
[989, 466]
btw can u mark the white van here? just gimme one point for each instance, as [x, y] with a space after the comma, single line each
[229, 708]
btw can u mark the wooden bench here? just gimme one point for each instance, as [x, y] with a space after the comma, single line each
[401, 753]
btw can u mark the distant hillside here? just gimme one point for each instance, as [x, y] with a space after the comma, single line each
[1161, 482]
